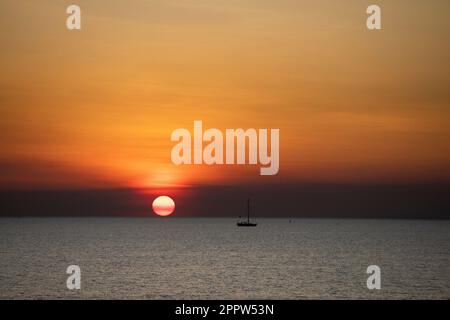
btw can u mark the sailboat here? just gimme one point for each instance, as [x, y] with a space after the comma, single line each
[247, 223]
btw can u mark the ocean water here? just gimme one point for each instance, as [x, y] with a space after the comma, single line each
[196, 258]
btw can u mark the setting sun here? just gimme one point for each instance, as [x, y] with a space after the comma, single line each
[163, 206]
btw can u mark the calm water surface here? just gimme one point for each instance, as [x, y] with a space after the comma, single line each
[173, 258]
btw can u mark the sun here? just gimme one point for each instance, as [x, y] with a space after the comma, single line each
[163, 206]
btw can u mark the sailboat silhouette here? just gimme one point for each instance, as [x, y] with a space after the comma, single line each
[247, 223]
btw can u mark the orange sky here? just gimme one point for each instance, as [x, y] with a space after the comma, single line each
[96, 107]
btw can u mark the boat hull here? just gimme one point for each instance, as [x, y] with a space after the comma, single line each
[246, 224]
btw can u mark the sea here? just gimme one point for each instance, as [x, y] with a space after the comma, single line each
[212, 258]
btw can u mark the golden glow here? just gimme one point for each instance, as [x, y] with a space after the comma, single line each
[96, 107]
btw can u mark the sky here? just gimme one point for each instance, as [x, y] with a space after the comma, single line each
[95, 108]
